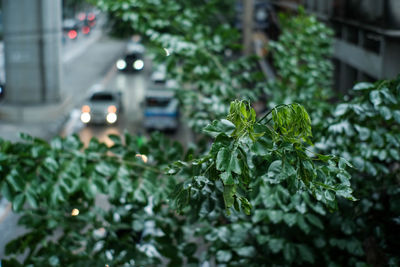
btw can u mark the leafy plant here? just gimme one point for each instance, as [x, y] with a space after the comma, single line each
[366, 131]
[56, 187]
[302, 60]
[246, 151]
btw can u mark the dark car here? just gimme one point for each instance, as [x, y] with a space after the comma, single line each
[71, 28]
[132, 62]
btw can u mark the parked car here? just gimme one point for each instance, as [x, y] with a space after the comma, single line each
[161, 110]
[102, 107]
[131, 62]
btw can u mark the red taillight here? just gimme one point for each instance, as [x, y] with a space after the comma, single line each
[81, 16]
[91, 17]
[85, 29]
[72, 34]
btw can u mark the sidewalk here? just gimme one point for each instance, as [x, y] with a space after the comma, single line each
[45, 130]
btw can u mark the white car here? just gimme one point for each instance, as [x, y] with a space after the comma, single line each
[102, 107]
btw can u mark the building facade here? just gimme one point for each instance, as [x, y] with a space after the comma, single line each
[367, 37]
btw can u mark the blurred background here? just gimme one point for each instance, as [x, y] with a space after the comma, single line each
[62, 72]
[55, 54]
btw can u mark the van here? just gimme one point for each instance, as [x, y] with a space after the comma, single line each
[161, 110]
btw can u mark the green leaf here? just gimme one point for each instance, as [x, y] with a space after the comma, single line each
[385, 112]
[377, 139]
[276, 244]
[290, 219]
[394, 153]
[289, 252]
[343, 164]
[363, 86]
[228, 161]
[275, 216]
[341, 109]
[364, 132]
[315, 221]
[105, 168]
[229, 192]
[30, 196]
[275, 171]
[50, 164]
[6, 191]
[375, 97]
[115, 189]
[16, 181]
[234, 165]
[305, 253]
[227, 178]
[346, 192]
[245, 205]
[302, 224]
[116, 139]
[223, 160]
[259, 215]
[18, 202]
[217, 127]
[247, 252]
[396, 115]
[224, 256]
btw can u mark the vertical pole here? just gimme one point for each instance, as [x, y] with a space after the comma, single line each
[32, 45]
[248, 6]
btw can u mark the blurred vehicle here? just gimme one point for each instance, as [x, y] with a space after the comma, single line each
[161, 110]
[131, 62]
[1, 90]
[261, 15]
[71, 28]
[87, 20]
[135, 47]
[102, 107]
[159, 75]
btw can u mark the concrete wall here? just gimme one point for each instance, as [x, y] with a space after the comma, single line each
[32, 37]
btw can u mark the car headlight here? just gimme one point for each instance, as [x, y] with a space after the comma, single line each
[138, 64]
[121, 64]
[85, 117]
[111, 118]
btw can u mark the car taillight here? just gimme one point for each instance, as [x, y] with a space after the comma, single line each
[91, 17]
[85, 29]
[72, 34]
[81, 16]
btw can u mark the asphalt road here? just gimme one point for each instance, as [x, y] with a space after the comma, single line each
[133, 87]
